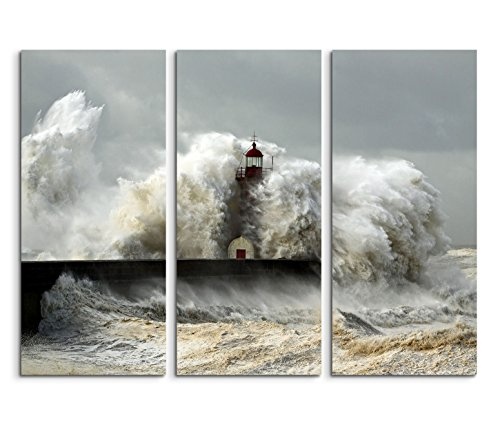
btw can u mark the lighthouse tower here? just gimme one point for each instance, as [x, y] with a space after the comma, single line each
[242, 247]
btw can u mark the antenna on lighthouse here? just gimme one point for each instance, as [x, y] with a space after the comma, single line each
[253, 139]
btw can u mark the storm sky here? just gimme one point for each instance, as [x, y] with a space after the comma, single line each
[416, 105]
[131, 85]
[277, 94]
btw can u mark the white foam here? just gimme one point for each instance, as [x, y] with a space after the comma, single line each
[67, 213]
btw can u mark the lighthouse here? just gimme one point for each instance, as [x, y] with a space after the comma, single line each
[242, 247]
[253, 163]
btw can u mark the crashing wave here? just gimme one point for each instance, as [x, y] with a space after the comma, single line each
[67, 212]
[286, 206]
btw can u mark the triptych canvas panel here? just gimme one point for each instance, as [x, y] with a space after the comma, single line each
[93, 212]
[248, 213]
[248, 222]
[404, 213]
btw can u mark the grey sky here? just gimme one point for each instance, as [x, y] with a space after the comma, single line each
[416, 105]
[131, 84]
[275, 93]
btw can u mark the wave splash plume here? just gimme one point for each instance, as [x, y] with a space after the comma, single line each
[67, 212]
[286, 208]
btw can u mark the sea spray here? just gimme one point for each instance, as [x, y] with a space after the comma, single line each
[286, 212]
[285, 299]
[388, 247]
[139, 218]
[67, 212]
[387, 222]
[57, 160]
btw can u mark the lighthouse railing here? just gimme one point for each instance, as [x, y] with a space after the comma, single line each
[240, 173]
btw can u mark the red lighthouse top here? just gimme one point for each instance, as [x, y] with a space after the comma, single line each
[253, 162]
[254, 152]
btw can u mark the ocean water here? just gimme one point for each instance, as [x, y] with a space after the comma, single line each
[235, 327]
[433, 332]
[88, 328]
[404, 302]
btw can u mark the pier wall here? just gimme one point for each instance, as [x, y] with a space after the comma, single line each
[122, 275]
[39, 276]
[230, 267]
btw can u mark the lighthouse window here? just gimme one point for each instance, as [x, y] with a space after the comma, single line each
[254, 161]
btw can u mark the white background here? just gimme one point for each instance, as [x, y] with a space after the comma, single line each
[252, 24]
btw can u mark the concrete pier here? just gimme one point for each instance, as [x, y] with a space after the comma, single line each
[218, 268]
[123, 275]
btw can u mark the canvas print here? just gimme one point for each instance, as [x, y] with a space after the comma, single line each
[248, 212]
[404, 213]
[93, 212]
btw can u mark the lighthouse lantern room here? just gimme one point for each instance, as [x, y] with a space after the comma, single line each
[253, 163]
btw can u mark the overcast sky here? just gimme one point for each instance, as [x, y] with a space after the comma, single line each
[275, 93]
[416, 105]
[131, 85]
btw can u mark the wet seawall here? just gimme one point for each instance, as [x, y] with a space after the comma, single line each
[194, 269]
[123, 275]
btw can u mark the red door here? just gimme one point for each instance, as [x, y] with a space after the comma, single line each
[241, 254]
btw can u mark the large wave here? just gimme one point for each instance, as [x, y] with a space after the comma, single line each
[387, 222]
[281, 214]
[79, 305]
[67, 212]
